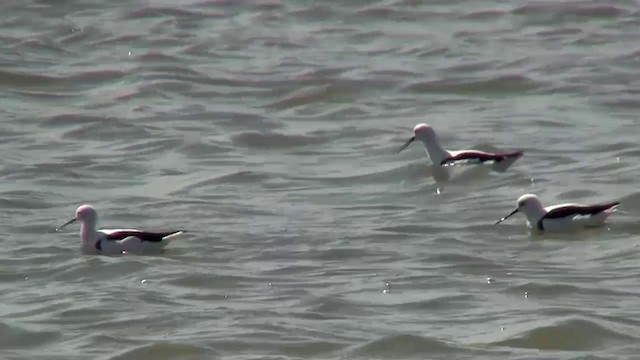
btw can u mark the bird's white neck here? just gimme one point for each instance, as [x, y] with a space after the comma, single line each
[436, 152]
[534, 213]
[88, 234]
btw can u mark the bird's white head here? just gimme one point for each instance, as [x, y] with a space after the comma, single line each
[528, 204]
[422, 132]
[86, 214]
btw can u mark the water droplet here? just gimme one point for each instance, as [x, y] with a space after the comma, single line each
[385, 291]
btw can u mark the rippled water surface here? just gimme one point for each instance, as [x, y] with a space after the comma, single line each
[267, 129]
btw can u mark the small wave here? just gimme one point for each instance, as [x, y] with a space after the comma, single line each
[14, 337]
[417, 170]
[569, 9]
[312, 12]
[377, 208]
[21, 199]
[386, 13]
[338, 254]
[153, 12]
[404, 345]
[285, 44]
[413, 229]
[314, 73]
[165, 350]
[469, 264]
[306, 96]
[447, 302]
[148, 147]
[204, 281]
[559, 32]
[630, 59]
[347, 111]
[109, 130]
[242, 177]
[539, 290]
[484, 15]
[573, 194]
[201, 150]
[236, 178]
[165, 71]
[115, 40]
[79, 35]
[631, 201]
[37, 45]
[392, 74]
[83, 79]
[471, 67]
[567, 335]
[154, 56]
[44, 95]
[421, 52]
[70, 119]
[502, 84]
[631, 103]
[90, 78]
[333, 307]
[460, 258]
[551, 123]
[268, 5]
[14, 78]
[309, 349]
[272, 140]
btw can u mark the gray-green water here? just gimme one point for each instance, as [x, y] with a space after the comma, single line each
[267, 130]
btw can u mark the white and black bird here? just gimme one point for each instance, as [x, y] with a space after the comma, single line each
[561, 217]
[442, 157]
[113, 241]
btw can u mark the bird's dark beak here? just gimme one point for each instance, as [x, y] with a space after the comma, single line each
[65, 224]
[506, 217]
[405, 145]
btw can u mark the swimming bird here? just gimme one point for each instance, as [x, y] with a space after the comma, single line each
[563, 216]
[112, 241]
[440, 156]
